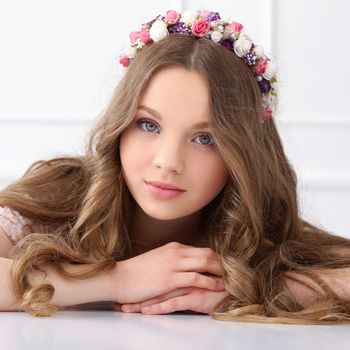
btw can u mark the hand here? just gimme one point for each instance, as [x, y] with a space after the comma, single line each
[183, 299]
[165, 269]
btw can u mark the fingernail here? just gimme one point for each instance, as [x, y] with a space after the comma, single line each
[146, 309]
[126, 308]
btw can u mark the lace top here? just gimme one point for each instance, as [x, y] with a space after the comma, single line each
[14, 224]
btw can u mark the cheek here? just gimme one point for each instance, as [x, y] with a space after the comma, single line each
[210, 173]
[133, 152]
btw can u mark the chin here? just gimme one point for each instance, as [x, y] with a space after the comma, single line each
[161, 211]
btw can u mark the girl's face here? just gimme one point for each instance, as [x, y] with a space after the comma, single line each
[165, 142]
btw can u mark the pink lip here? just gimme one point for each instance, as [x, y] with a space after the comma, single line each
[164, 185]
[162, 193]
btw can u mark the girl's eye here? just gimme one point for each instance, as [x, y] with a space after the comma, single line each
[147, 123]
[207, 139]
[150, 126]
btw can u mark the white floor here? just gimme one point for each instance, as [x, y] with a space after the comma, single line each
[106, 329]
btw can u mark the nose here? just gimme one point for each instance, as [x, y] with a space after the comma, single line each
[169, 156]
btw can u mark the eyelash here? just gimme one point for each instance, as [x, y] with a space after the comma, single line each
[142, 121]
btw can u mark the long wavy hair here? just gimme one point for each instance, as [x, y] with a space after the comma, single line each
[253, 223]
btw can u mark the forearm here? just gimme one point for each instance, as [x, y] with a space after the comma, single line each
[338, 280]
[67, 291]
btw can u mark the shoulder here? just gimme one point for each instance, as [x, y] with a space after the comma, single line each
[6, 243]
[16, 225]
[12, 222]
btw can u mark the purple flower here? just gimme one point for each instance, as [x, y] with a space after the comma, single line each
[265, 85]
[213, 16]
[227, 41]
[251, 58]
[180, 27]
[149, 24]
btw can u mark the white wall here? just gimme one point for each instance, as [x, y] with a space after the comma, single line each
[58, 67]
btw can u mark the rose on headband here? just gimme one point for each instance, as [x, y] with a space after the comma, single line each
[134, 36]
[204, 13]
[158, 30]
[124, 60]
[259, 51]
[144, 35]
[242, 46]
[200, 27]
[235, 27]
[172, 17]
[260, 67]
[216, 36]
[270, 70]
[188, 17]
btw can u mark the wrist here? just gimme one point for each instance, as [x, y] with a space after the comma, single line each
[73, 291]
[114, 283]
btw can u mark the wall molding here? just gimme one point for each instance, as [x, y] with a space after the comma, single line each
[322, 180]
[297, 120]
[320, 120]
[48, 119]
[318, 180]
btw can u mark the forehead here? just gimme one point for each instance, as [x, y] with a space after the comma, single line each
[178, 90]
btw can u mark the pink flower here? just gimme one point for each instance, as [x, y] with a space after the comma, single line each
[235, 27]
[200, 27]
[260, 67]
[124, 60]
[172, 17]
[204, 14]
[267, 113]
[134, 36]
[144, 35]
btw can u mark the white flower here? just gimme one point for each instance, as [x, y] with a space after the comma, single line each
[269, 101]
[158, 30]
[188, 17]
[245, 35]
[242, 45]
[214, 23]
[216, 36]
[139, 43]
[130, 51]
[270, 70]
[259, 51]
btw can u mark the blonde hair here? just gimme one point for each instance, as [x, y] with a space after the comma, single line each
[254, 222]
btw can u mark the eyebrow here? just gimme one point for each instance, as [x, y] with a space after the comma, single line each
[158, 116]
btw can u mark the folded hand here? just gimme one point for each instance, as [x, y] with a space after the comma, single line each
[183, 299]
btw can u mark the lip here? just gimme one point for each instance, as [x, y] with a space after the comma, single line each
[163, 185]
[163, 193]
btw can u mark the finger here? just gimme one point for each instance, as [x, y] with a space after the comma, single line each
[200, 264]
[202, 252]
[117, 307]
[198, 280]
[186, 251]
[136, 307]
[172, 294]
[189, 251]
[171, 305]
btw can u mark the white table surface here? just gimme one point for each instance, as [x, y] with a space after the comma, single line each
[106, 329]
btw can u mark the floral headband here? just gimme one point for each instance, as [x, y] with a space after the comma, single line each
[202, 23]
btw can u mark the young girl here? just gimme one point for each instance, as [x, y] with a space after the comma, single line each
[184, 200]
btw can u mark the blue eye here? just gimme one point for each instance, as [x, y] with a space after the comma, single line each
[149, 126]
[145, 122]
[207, 139]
